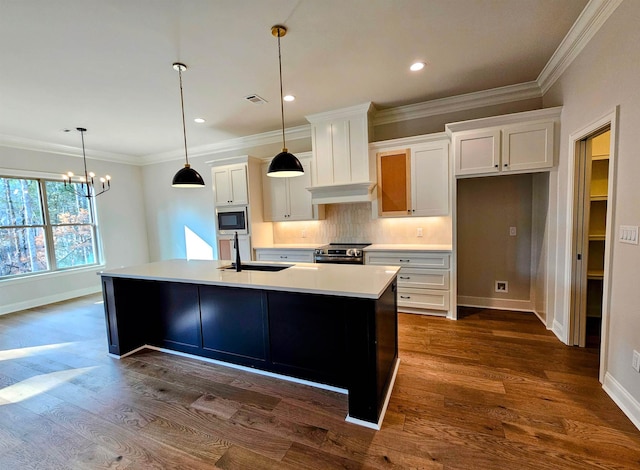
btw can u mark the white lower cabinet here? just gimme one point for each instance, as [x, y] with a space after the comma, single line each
[284, 255]
[423, 281]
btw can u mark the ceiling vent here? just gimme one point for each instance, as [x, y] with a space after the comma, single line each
[255, 99]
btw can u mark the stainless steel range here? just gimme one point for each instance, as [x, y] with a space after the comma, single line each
[343, 253]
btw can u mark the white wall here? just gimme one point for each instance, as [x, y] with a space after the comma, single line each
[486, 209]
[606, 74]
[121, 220]
[169, 210]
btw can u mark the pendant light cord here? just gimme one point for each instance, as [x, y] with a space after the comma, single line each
[84, 156]
[184, 127]
[284, 145]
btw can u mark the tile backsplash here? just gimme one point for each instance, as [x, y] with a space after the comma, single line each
[354, 223]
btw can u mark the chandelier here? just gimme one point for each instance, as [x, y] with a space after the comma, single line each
[88, 187]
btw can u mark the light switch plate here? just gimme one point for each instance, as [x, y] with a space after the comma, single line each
[512, 231]
[628, 234]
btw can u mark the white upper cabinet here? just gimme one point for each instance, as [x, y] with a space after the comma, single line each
[288, 198]
[230, 185]
[414, 180]
[430, 179]
[527, 146]
[477, 152]
[514, 143]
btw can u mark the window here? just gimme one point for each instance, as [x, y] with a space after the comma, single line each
[44, 226]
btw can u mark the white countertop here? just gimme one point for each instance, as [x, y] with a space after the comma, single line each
[361, 281]
[407, 247]
[292, 246]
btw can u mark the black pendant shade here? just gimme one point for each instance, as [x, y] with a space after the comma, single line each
[187, 177]
[285, 164]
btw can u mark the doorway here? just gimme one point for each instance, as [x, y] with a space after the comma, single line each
[590, 236]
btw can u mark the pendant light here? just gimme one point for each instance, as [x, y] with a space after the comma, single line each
[187, 177]
[285, 164]
[87, 184]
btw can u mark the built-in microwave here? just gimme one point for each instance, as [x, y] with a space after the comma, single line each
[232, 220]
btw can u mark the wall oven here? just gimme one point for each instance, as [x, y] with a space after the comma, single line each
[231, 220]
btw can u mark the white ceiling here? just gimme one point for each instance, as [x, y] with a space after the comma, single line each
[106, 64]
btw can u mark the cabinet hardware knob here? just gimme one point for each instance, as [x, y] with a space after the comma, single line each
[496, 165]
[405, 277]
[405, 260]
[405, 296]
[506, 164]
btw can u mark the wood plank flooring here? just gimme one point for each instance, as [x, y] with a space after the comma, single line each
[493, 390]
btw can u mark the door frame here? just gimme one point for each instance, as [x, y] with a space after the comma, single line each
[575, 138]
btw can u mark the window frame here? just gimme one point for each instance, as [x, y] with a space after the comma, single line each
[48, 227]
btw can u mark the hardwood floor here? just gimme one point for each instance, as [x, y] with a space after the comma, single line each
[493, 390]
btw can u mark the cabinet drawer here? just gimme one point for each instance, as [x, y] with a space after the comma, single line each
[291, 256]
[423, 298]
[423, 278]
[413, 259]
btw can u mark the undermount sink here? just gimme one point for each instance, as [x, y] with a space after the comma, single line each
[258, 267]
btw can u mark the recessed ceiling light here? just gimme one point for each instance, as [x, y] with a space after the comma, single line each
[198, 120]
[416, 66]
[288, 97]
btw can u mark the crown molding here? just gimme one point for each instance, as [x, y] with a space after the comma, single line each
[494, 96]
[343, 113]
[48, 147]
[230, 145]
[594, 15]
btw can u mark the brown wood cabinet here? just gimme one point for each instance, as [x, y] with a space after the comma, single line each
[394, 182]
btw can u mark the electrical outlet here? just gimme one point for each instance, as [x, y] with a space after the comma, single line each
[303, 233]
[419, 234]
[502, 286]
[512, 231]
[635, 363]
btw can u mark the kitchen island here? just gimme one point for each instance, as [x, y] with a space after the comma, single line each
[329, 325]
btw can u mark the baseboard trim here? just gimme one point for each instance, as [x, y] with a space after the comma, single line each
[40, 301]
[558, 330]
[251, 370]
[625, 401]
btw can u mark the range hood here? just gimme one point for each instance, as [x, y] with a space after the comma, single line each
[343, 193]
[342, 170]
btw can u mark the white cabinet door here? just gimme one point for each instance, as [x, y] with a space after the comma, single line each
[238, 178]
[300, 207]
[230, 185]
[430, 179]
[221, 186]
[527, 147]
[275, 202]
[477, 152]
[287, 198]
